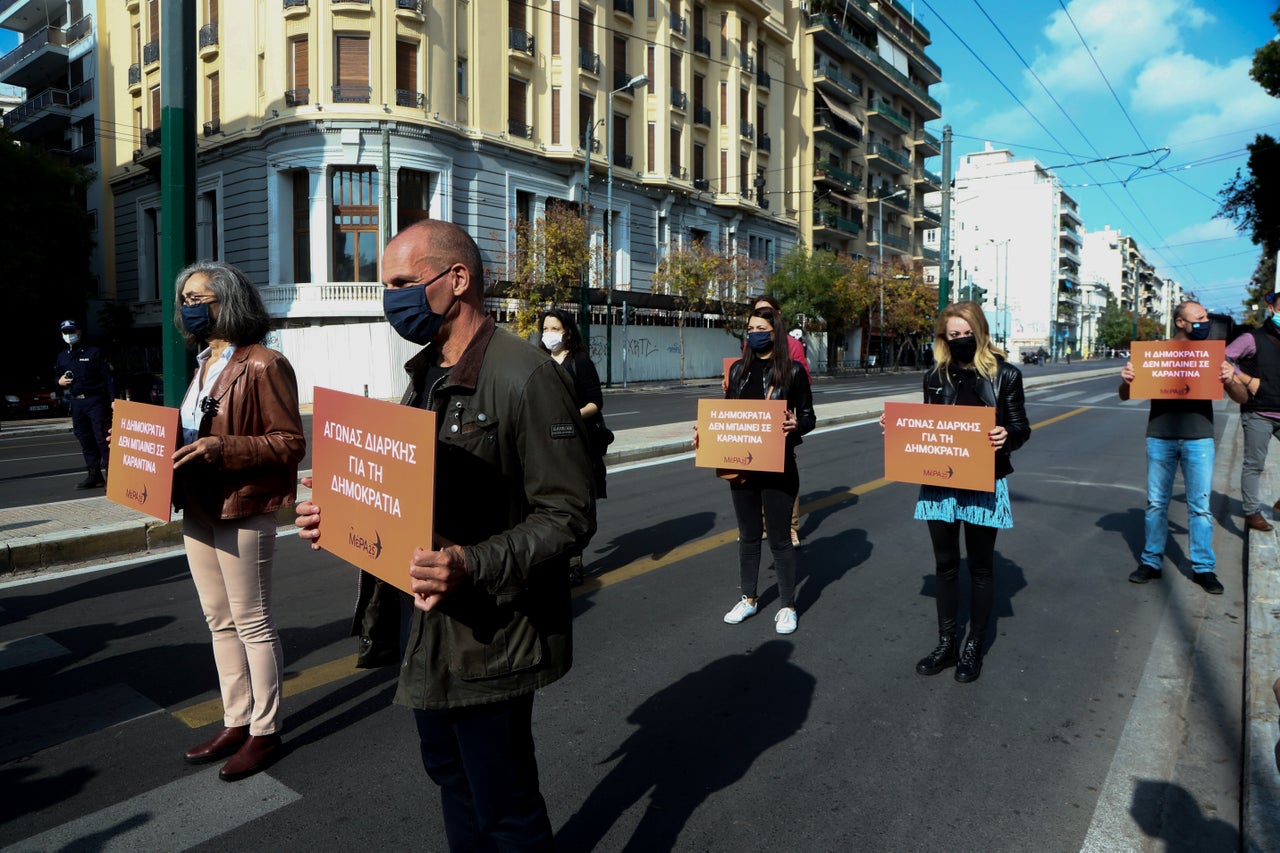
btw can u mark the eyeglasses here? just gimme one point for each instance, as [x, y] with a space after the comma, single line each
[198, 299]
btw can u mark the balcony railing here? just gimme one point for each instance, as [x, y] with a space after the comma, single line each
[594, 143]
[764, 143]
[352, 94]
[869, 53]
[589, 60]
[826, 219]
[519, 129]
[882, 150]
[924, 137]
[835, 173]
[679, 26]
[409, 6]
[679, 100]
[747, 61]
[747, 130]
[901, 202]
[701, 184]
[930, 215]
[679, 173]
[702, 44]
[763, 80]
[520, 40]
[297, 97]
[622, 160]
[830, 72]
[151, 52]
[135, 74]
[296, 4]
[208, 36]
[923, 174]
[702, 116]
[827, 120]
[626, 7]
[409, 98]
[151, 138]
[891, 240]
[324, 299]
[895, 118]
[212, 127]
[928, 254]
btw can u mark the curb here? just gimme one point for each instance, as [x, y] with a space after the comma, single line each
[1260, 802]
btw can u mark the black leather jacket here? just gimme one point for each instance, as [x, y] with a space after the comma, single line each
[1005, 394]
[799, 398]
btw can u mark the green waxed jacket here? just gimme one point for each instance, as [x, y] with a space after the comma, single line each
[514, 488]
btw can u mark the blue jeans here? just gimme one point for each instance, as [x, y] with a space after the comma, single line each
[1163, 456]
[482, 758]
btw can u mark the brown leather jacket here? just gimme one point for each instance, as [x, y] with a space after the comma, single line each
[262, 442]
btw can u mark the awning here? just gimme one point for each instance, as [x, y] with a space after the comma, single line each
[841, 113]
[842, 197]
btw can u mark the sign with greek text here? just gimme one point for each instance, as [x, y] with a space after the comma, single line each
[140, 462]
[1177, 370]
[745, 435]
[373, 467]
[940, 445]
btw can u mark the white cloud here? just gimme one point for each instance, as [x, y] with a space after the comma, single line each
[1122, 36]
[1213, 229]
[1179, 82]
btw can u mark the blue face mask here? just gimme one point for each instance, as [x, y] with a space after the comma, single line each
[197, 320]
[409, 313]
[760, 341]
[1275, 318]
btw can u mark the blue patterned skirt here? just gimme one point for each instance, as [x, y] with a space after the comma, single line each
[986, 509]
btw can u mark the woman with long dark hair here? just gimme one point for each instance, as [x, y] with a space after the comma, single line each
[767, 372]
[969, 370]
[238, 464]
[560, 338]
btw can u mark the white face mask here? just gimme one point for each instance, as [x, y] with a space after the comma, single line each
[552, 340]
[71, 337]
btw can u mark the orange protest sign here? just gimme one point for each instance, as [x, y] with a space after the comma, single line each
[745, 435]
[373, 467]
[1177, 370]
[940, 445]
[140, 467]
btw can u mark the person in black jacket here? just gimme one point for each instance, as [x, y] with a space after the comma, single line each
[561, 338]
[969, 371]
[767, 372]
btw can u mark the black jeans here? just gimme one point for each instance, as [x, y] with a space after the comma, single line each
[482, 758]
[980, 544]
[776, 493]
[90, 422]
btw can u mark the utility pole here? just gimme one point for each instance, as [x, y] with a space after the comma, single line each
[177, 181]
[944, 245]
[584, 289]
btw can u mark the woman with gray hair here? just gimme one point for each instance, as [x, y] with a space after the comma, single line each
[238, 464]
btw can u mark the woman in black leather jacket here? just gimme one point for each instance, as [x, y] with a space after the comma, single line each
[969, 371]
[766, 371]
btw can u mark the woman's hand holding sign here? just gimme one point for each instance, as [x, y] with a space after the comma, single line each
[308, 520]
[998, 437]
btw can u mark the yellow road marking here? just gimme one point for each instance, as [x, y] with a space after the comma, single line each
[205, 713]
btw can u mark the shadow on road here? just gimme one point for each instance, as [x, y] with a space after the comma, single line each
[654, 541]
[694, 738]
[1168, 812]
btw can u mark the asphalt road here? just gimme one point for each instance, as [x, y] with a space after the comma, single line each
[673, 730]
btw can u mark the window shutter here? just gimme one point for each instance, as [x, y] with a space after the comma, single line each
[353, 60]
[407, 66]
[301, 63]
[555, 115]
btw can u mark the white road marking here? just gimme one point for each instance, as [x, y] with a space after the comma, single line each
[28, 650]
[49, 724]
[177, 816]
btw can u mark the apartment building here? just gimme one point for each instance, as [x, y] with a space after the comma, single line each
[327, 125]
[866, 66]
[1016, 236]
[55, 67]
[1116, 259]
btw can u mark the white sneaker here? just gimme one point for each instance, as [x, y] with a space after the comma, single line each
[740, 611]
[785, 621]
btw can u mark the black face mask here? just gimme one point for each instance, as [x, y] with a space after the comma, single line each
[1198, 331]
[197, 320]
[963, 349]
[409, 313]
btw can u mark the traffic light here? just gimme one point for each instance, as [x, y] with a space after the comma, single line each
[978, 294]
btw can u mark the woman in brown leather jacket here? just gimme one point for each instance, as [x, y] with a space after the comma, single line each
[241, 443]
[969, 371]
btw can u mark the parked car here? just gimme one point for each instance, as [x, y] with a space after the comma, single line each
[142, 388]
[35, 401]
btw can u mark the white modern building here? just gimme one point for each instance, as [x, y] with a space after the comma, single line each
[1112, 258]
[1016, 245]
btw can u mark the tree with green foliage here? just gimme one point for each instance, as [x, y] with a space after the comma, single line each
[1115, 327]
[551, 259]
[1252, 200]
[698, 277]
[909, 305]
[828, 287]
[45, 246]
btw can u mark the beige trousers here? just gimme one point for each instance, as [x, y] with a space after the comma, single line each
[231, 565]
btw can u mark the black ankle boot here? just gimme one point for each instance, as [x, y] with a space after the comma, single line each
[945, 655]
[93, 481]
[970, 665]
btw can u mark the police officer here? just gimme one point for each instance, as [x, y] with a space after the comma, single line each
[85, 372]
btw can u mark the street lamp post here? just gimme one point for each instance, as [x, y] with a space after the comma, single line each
[880, 200]
[638, 80]
[1002, 299]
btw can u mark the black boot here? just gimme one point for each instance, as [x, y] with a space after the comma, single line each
[93, 481]
[970, 665]
[945, 655]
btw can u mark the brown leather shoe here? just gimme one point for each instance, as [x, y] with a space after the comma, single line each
[258, 753]
[1255, 521]
[224, 744]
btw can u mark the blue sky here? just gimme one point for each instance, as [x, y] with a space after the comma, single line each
[1179, 70]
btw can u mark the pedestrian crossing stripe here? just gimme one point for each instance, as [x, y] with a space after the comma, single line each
[204, 713]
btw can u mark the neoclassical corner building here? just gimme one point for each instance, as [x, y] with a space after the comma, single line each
[325, 126]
